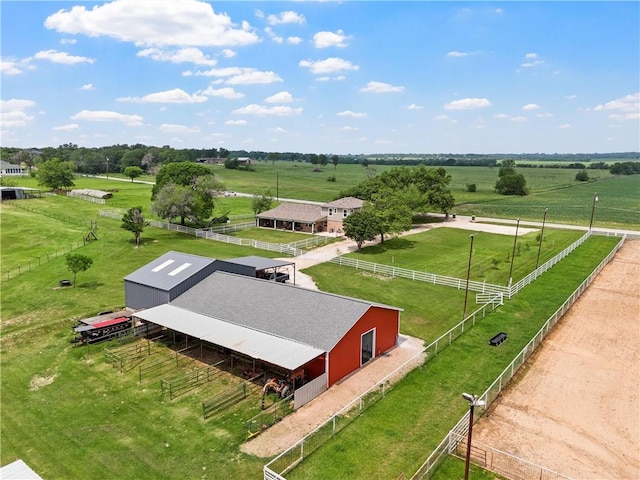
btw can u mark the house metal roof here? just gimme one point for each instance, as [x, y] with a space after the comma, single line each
[259, 263]
[169, 270]
[306, 316]
[18, 470]
[298, 212]
[263, 346]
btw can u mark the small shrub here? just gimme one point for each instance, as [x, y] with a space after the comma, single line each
[471, 187]
[582, 176]
[331, 178]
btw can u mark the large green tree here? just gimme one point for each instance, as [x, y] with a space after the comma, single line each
[78, 263]
[509, 182]
[393, 215]
[175, 201]
[261, 203]
[423, 189]
[133, 172]
[56, 174]
[179, 173]
[361, 227]
[134, 222]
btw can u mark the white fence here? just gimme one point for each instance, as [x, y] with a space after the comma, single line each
[449, 444]
[294, 249]
[309, 391]
[460, 283]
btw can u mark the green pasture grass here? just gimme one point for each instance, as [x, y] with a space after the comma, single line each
[428, 310]
[445, 251]
[101, 287]
[453, 468]
[417, 413]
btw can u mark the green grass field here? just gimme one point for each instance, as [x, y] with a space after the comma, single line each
[70, 415]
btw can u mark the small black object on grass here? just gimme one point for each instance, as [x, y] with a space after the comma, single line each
[65, 283]
[497, 339]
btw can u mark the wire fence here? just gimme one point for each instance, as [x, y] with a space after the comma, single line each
[450, 442]
[30, 264]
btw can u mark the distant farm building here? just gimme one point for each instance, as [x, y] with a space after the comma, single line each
[9, 169]
[88, 192]
[19, 193]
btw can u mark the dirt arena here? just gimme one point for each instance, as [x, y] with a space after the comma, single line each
[576, 409]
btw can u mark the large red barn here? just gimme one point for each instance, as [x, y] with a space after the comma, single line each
[301, 331]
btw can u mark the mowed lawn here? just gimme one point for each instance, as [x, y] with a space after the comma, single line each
[445, 251]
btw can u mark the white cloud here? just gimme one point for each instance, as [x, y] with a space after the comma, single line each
[11, 68]
[570, 97]
[108, 116]
[455, 54]
[227, 53]
[226, 92]
[294, 40]
[177, 95]
[172, 128]
[381, 87]
[544, 115]
[413, 106]
[348, 128]
[235, 122]
[13, 112]
[183, 23]
[259, 110]
[280, 97]
[531, 60]
[328, 65]
[445, 118]
[182, 55]
[330, 39]
[61, 57]
[349, 113]
[67, 128]
[468, 104]
[218, 72]
[87, 86]
[518, 118]
[276, 38]
[564, 126]
[530, 106]
[501, 115]
[628, 103]
[286, 17]
[277, 130]
[626, 116]
[68, 41]
[254, 77]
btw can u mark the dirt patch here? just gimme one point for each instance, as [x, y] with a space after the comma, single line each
[304, 420]
[39, 381]
[576, 409]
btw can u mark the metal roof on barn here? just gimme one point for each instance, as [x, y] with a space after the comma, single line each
[263, 346]
[260, 263]
[169, 270]
[306, 316]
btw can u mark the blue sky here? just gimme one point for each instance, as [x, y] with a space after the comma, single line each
[323, 77]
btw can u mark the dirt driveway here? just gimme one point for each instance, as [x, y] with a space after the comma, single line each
[576, 410]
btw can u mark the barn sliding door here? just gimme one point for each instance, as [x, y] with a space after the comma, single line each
[367, 341]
